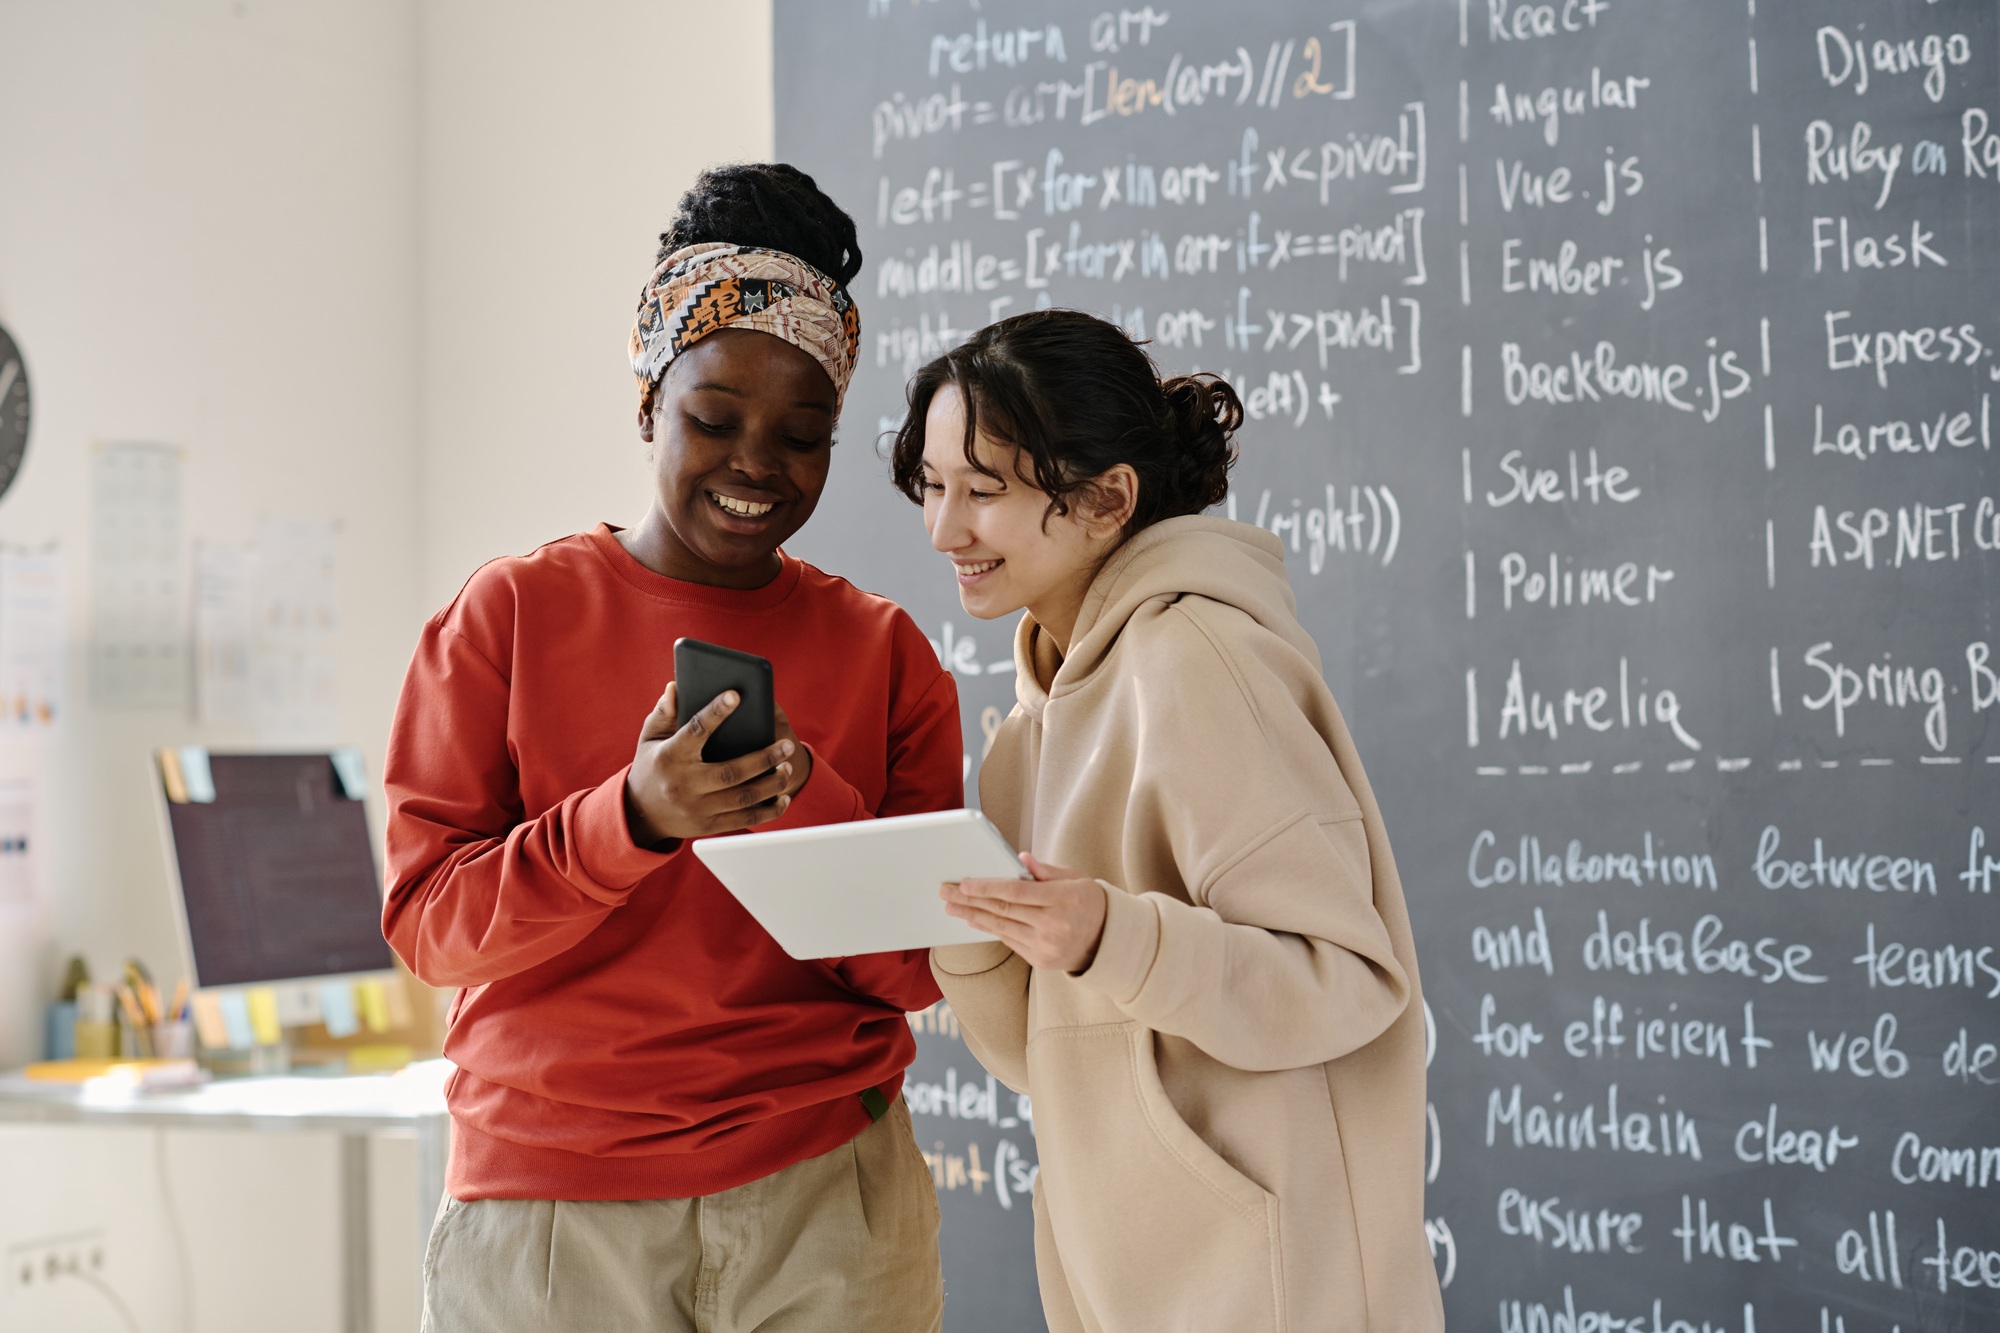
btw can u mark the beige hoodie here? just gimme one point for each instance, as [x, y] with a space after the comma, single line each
[1229, 1102]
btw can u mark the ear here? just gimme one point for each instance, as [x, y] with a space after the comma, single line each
[645, 424]
[1116, 498]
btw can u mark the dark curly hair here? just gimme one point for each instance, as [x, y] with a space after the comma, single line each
[1078, 397]
[772, 205]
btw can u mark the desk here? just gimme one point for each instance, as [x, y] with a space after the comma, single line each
[355, 1108]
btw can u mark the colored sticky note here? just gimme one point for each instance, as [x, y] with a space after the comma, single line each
[170, 776]
[374, 1005]
[398, 996]
[336, 1009]
[263, 1006]
[351, 774]
[236, 1020]
[208, 1021]
[195, 774]
[298, 1006]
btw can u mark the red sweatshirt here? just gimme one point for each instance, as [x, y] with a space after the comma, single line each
[625, 1029]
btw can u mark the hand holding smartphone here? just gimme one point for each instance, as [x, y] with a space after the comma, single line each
[704, 670]
[743, 774]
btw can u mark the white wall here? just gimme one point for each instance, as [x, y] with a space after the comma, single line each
[209, 240]
[557, 139]
[370, 261]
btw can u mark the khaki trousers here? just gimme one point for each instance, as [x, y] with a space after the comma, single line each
[845, 1240]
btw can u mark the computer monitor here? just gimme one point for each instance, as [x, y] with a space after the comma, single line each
[273, 867]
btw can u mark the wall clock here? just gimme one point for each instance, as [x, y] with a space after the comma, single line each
[13, 410]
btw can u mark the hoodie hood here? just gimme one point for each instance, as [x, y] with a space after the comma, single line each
[1224, 561]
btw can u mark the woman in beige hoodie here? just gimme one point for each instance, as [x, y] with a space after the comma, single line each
[1216, 1010]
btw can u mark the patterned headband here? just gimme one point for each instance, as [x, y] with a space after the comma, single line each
[699, 289]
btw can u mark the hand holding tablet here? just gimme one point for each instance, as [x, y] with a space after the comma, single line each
[1053, 920]
[871, 886]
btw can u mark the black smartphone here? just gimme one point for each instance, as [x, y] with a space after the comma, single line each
[704, 670]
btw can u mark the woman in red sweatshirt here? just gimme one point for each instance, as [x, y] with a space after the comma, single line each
[660, 1120]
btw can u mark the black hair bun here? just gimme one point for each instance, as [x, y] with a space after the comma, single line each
[1204, 413]
[771, 205]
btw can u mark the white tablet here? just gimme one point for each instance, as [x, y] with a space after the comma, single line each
[871, 886]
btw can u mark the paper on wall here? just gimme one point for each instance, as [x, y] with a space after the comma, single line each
[297, 632]
[267, 627]
[31, 637]
[23, 894]
[17, 841]
[225, 622]
[138, 603]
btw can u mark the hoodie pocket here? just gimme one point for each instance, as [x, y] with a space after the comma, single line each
[1155, 1229]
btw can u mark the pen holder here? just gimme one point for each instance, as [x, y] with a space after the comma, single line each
[173, 1040]
[60, 1043]
[95, 1040]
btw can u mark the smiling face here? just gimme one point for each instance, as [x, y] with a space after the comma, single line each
[742, 433]
[1006, 557]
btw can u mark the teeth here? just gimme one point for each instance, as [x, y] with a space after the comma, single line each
[979, 568]
[744, 507]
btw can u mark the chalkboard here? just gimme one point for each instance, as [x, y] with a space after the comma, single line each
[1621, 380]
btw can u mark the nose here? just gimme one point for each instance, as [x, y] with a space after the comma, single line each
[942, 517]
[756, 459]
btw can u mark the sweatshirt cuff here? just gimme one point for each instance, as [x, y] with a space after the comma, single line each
[825, 799]
[1130, 943]
[604, 840]
[969, 960]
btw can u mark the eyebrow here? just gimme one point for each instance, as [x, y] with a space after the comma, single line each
[734, 392]
[961, 466]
